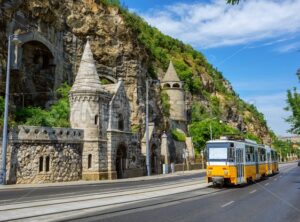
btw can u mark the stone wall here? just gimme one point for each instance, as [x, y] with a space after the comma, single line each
[133, 166]
[179, 150]
[42, 154]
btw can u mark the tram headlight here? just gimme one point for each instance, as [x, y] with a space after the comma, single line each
[225, 172]
[209, 172]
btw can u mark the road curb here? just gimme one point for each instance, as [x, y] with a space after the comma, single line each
[82, 182]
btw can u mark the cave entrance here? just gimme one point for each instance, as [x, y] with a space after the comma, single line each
[33, 83]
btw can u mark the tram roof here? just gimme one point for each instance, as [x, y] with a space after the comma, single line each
[222, 140]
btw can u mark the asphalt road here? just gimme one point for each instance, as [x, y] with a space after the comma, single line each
[275, 199]
[14, 195]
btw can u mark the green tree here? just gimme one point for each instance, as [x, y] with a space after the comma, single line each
[200, 132]
[164, 97]
[293, 105]
[56, 116]
[178, 135]
[283, 148]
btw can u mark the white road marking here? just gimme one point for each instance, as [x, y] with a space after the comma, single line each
[227, 204]
[275, 179]
[266, 184]
[253, 191]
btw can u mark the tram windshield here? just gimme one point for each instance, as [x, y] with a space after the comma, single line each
[220, 152]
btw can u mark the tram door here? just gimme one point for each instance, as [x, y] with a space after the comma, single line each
[269, 162]
[256, 163]
[240, 165]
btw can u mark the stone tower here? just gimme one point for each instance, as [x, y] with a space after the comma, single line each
[85, 101]
[174, 87]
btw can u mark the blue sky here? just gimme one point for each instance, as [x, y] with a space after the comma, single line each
[256, 45]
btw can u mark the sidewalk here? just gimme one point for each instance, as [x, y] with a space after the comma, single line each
[83, 182]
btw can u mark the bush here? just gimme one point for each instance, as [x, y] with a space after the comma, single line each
[115, 3]
[164, 97]
[178, 136]
[135, 128]
[199, 112]
[56, 116]
[105, 81]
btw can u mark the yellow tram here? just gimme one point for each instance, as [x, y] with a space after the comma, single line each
[231, 161]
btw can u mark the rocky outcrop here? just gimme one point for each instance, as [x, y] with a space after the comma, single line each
[115, 47]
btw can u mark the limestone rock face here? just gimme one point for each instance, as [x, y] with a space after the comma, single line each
[63, 27]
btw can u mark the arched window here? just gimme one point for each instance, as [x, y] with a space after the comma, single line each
[176, 85]
[167, 85]
[47, 163]
[120, 122]
[89, 161]
[96, 119]
[41, 164]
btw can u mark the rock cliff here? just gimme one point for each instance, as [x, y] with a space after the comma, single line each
[119, 52]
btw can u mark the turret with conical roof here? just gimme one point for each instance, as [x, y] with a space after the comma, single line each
[87, 95]
[173, 86]
[171, 74]
[87, 98]
[87, 78]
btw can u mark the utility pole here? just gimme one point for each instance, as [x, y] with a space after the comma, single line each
[5, 124]
[210, 127]
[147, 129]
[11, 39]
[148, 164]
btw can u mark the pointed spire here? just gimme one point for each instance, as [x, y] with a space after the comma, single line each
[171, 74]
[87, 78]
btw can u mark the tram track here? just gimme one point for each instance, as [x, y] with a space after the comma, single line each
[121, 207]
[194, 189]
[85, 194]
[11, 212]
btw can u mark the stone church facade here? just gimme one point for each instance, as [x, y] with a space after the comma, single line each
[98, 146]
[103, 112]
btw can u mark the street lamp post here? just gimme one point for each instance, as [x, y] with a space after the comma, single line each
[147, 126]
[210, 129]
[147, 130]
[210, 126]
[12, 38]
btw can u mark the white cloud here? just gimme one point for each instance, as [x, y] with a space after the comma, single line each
[216, 24]
[273, 108]
[295, 46]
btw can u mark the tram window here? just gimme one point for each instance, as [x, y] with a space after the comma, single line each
[263, 155]
[249, 154]
[248, 158]
[231, 154]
